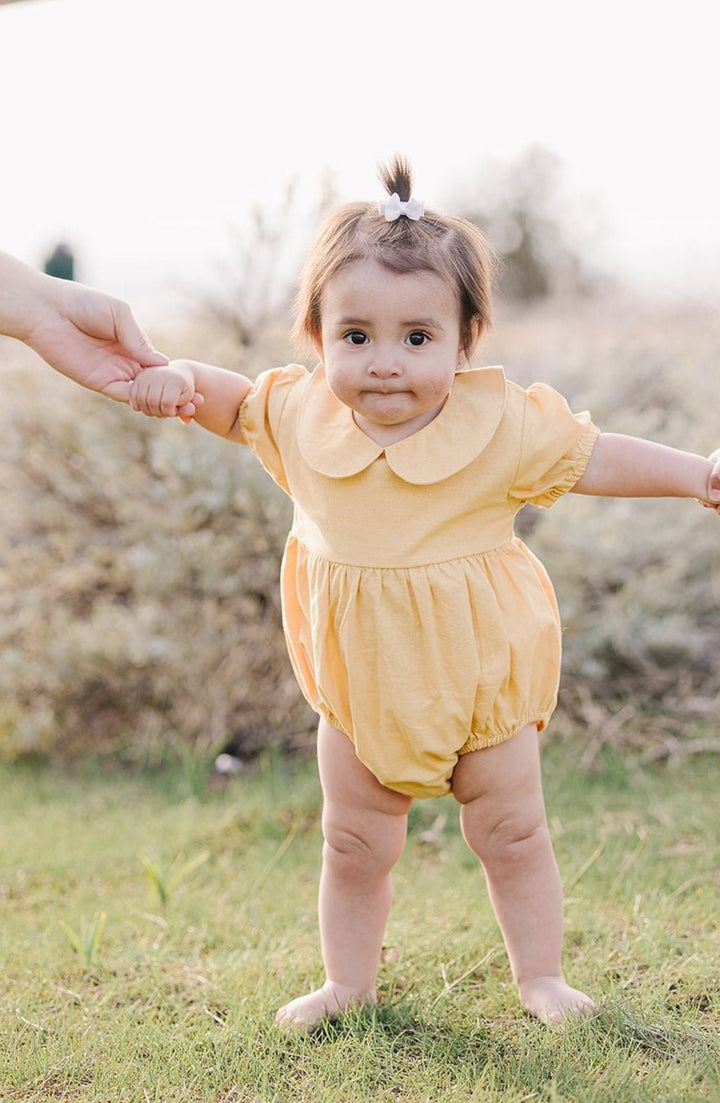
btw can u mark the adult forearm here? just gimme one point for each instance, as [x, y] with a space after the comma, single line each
[23, 290]
[628, 467]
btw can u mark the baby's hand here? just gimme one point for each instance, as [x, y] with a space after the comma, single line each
[167, 391]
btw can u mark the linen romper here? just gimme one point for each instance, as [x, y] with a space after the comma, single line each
[416, 621]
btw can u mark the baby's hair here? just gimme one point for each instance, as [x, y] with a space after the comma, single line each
[397, 177]
[449, 246]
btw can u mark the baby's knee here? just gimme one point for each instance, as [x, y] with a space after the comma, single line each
[510, 842]
[354, 854]
[514, 838]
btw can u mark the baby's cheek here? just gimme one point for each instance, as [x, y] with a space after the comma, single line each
[340, 382]
[440, 389]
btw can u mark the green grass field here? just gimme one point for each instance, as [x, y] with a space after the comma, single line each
[149, 932]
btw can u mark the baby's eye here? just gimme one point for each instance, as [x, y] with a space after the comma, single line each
[417, 339]
[356, 337]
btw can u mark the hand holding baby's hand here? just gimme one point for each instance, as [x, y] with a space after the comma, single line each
[714, 482]
[167, 391]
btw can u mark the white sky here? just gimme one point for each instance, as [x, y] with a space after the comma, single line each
[140, 130]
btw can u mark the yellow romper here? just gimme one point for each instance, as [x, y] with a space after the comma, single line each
[415, 619]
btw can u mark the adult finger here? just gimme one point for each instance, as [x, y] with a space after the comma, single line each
[133, 340]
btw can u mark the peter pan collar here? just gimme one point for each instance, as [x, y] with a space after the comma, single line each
[333, 445]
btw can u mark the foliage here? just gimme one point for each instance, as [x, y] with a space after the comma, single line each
[637, 580]
[86, 942]
[540, 238]
[256, 277]
[139, 599]
[139, 588]
[164, 883]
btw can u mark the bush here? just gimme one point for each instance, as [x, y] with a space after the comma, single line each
[140, 601]
[139, 593]
[637, 580]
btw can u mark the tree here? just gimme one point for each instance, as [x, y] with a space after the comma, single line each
[520, 206]
[257, 278]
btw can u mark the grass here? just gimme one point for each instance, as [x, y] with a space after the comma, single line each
[148, 935]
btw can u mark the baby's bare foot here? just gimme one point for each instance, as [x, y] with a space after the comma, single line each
[327, 1002]
[552, 1000]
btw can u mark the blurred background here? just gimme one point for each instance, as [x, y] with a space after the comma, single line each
[142, 131]
[179, 155]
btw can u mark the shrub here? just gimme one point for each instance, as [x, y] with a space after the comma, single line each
[637, 580]
[139, 590]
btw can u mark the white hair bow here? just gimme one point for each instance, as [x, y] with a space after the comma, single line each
[393, 207]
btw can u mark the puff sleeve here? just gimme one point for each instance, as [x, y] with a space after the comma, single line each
[555, 448]
[261, 414]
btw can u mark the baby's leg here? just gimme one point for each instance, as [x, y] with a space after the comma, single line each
[364, 826]
[504, 823]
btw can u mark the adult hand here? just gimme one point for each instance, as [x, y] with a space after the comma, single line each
[714, 480]
[90, 337]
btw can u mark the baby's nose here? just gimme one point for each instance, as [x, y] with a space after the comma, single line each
[384, 364]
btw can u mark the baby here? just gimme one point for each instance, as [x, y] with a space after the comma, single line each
[422, 631]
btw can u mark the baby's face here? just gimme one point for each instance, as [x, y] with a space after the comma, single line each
[391, 346]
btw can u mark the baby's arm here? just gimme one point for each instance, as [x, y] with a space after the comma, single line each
[215, 393]
[628, 467]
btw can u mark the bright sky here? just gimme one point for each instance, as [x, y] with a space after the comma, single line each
[141, 130]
